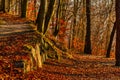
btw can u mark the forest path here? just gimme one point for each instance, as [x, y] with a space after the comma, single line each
[80, 67]
[7, 30]
[10, 24]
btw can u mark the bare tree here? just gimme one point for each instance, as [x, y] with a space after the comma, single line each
[44, 15]
[23, 8]
[3, 5]
[111, 41]
[57, 26]
[117, 53]
[87, 48]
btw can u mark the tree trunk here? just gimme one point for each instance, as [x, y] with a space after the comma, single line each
[43, 19]
[111, 40]
[3, 5]
[7, 5]
[49, 14]
[117, 53]
[41, 16]
[74, 18]
[23, 8]
[87, 48]
[57, 19]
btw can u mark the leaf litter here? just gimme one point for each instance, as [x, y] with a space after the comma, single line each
[79, 67]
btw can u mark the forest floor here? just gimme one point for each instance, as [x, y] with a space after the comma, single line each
[79, 67]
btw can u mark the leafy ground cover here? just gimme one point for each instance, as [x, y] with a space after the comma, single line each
[11, 19]
[79, 67]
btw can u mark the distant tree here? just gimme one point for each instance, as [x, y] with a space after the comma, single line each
[111, 41]
[117, 53]
[23, 8]
[75, 18]
[3, 5]
[7, 5]
[87, 48]
[57, 17]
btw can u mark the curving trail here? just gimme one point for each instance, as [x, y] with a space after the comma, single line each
[7, 30]
[80, 67]
[10, 24]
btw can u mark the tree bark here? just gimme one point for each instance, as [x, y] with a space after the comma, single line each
[3, 5]
[49, 14]
[111, 40]
[117, 53]
[57, 17]
[23, 8]
[43, 20]
[74, 18]
[7, 5]
[87, 48]
[41, 16]
[44, 15]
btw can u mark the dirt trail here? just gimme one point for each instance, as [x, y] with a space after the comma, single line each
[10, 24]
[6, 30]
[81, 67]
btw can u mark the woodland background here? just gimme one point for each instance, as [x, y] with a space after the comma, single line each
[64, 27]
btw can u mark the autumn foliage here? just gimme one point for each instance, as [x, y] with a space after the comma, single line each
[78, 44]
